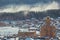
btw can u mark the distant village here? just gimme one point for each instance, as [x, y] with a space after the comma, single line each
[29, 27]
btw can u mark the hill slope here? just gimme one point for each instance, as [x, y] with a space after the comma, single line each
[20, 15]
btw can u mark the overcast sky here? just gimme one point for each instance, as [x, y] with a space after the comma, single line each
[30, 2]
[28, 5]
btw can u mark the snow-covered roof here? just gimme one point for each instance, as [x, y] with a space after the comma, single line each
[37, 32]
[32, 28]
[24, 30]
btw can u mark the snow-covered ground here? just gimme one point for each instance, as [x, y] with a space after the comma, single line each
[8, 30]
[29, 39]
[4, 31]
[13, 39]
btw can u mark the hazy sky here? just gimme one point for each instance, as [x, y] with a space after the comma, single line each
[28, 5]
[29, 2]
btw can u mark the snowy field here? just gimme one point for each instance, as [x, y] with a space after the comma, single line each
[4, 31]
[8, 31]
